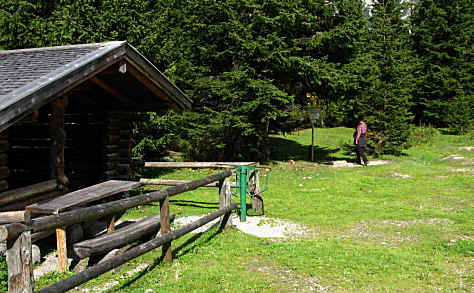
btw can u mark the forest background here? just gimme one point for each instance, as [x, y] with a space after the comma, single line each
[252, 66]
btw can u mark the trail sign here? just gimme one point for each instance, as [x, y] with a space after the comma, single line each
[314, 114]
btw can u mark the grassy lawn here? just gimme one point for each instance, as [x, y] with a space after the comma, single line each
[406, 226]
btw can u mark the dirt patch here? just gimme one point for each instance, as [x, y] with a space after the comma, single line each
[285, 279]
[458, 160]
[466, 148]
[259, 226]
[344, 163]
[106, 286]
[399, 175]
[375, 231]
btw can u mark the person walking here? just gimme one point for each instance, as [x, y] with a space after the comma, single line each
[360, 141]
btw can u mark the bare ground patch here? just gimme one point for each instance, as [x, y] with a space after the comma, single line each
[262, 227]
[390, 232]
[286, 279]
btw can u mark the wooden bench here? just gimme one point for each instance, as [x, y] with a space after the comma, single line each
[76, 199]
[119, 238]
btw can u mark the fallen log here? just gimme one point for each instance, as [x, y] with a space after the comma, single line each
[119, 237]
[12, 231]
[12, 217]
[176, 182]
[197, 164]
[115, 261]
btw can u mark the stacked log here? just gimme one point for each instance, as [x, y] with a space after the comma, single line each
[29, 150]
[110, 148]
[125, 148]
[4, 171]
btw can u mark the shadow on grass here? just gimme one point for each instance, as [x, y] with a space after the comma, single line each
[192, 242]
[196, 204]
[142, 172]
[285, 150]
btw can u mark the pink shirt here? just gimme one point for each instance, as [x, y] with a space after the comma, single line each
[361, 129]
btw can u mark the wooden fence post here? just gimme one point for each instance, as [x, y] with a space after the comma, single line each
[58, 135]
[62, 249]
[165, 227]
[225, 198]
[257, 204]
[20, 262]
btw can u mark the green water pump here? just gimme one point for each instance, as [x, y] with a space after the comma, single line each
[244, 174]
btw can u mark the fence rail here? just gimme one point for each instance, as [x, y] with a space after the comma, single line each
[18, 236]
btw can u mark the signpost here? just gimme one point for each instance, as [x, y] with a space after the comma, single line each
[314, 114]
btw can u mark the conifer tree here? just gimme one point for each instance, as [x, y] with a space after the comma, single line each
[443, 35]
[387, 65]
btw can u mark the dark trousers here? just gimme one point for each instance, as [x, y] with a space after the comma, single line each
[360, 149]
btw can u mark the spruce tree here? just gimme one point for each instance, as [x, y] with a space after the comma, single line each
[443, 35]
[387, 63]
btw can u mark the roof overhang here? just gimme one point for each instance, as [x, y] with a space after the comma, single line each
[22, 101]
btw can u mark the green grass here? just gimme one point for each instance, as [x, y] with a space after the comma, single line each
[370, 230]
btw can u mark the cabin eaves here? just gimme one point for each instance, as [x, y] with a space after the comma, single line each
[31, 78]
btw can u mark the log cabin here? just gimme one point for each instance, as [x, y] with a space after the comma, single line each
[66, 116]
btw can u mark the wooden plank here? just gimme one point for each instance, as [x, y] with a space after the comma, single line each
[61, 249]
[83, 196]
[100, 210]
[20, 264]
[120, 237]
[4, 172]
[3, 159]
[112, 91]
[112, 139]
[12, 217]
[3, 185]
[197, 164]
[4, 146]
[171, 182]
[22, 193]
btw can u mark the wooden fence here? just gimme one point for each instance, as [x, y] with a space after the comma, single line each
[257, 201]
[18, 235]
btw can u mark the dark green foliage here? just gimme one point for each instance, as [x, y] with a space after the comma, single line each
[443, 34]
[248, 64]
[3, 274]
[423, 135]
[154, 137]
[387, 64]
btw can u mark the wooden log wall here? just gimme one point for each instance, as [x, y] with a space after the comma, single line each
[125, 148]
[30, 143]
[116, 147]
[96, 149]
[4, 170]
[29, 150]
[83, 149]
[110, 147]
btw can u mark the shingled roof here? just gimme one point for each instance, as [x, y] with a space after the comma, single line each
[30, 78]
